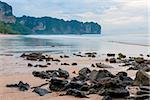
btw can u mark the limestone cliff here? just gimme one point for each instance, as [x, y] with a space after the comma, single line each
[6, 14]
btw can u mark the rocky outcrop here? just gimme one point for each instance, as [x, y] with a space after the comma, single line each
[142, 78]
[6, 14]
[48, 25]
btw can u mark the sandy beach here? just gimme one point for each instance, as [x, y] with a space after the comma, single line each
[16, 69]
[13, 69]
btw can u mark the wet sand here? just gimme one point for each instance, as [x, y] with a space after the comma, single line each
[14, 69]
[7, 35]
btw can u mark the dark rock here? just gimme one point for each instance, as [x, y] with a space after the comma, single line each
[120, 55]
[100, 65]
[141, 55]
[74, 64]
[139, 60]
[74, 72]
[110, 54]
[126, 64]
[92, 91]
[147, 69]
[31, 58]
[142, 78]
[64, 64]
[12, 85]
[145, 88]
[139, 97]
[61, 56]
[102, 74]
[41, 91]
[65, 56]
[36, 65]
[141, 92]
[23, 55]
[30, 65]
[132, 68]
[63, 73]
[58, 84]
[112, 60]
[93, 75]
[107, 98]
[21, 86]
[76, 84]
[42, 66]
[42, 74]
[117, 92]
[76, 93]
[85, 87]
[92, 65]
[80, 78]
[106, 59]
[93, 55]
[84, 71]
[40, 59]
[121, 74]
[57, 60]
[34, 56]
[48, 63]
[111, 83]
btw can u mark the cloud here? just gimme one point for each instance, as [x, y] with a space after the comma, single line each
[115, 16]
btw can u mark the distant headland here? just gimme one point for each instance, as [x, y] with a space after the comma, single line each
[10, 24]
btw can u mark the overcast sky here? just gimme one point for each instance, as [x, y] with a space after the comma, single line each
[115, 16]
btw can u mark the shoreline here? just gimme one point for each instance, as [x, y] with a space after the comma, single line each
[7, 35]
[129, 43]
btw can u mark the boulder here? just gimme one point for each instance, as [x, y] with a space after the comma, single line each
[84, 71]
[120, 55]
[139, 97]
[139, 60]
[30, 65]
[93, 75]
[76, 93]
[103, 74]
[121, 74]
[74, 64]
[100, 65]
[63, 73]
[42, 74]
[142, 78]
[112, 60]
[107, 98]
[76, 84]
[147, 69]
[41, 91]
[117, 92]
[85, 87]
[58, 84]
[21, 86]
[110, 54]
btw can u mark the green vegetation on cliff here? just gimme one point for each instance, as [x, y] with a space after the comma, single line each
[6, 28]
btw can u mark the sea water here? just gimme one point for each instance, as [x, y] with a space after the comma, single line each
[131, 44]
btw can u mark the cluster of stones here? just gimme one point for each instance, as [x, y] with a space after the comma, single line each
[101, 82]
